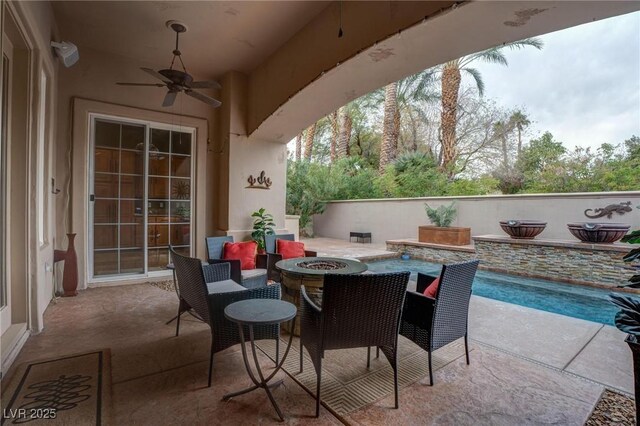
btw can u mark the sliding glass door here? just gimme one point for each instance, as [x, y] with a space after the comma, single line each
[140, 195]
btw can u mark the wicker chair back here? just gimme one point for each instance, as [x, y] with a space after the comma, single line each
[362, 310]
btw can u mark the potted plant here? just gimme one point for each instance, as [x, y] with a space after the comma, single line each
[628, 318]
[443, 232]
[262, 225]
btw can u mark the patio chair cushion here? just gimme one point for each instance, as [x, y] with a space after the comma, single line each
[245, 252]
[252, 273]
[225, 286]
[290, 249]
[432, 289]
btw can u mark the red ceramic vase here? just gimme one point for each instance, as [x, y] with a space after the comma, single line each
[70, 274]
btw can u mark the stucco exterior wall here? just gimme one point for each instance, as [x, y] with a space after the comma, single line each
[394, 219]
[94, 78]
[27, 268]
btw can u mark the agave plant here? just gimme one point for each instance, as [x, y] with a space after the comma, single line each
[628, 318]
[633, 257]
[443, 215]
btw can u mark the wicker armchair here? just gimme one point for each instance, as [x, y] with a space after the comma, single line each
[252, 278]
[433, 323]
[208, 300]
[271, 246]
[357, 311]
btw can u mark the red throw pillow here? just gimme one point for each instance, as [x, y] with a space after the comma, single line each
[432, 289]
[290, 249]
[244, 251]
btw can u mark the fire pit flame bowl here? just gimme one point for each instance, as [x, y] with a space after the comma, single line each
[603, 233]
[523, 229]
[322, 265]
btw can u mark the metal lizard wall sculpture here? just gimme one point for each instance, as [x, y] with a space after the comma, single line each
[608, 211]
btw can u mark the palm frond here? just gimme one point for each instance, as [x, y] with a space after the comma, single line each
[632, 237]
[494, 55]
[477, 77]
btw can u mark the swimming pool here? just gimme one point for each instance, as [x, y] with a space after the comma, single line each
[576, 301]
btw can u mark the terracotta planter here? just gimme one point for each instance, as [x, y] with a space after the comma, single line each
[70, 273]
[635, 350]
[452, 236]
[602, 233]
[523, 229]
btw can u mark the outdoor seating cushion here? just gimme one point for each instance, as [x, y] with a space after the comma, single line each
[245, 252]
[251, 273]
[225, 286]
[290, 249]
[432, 289]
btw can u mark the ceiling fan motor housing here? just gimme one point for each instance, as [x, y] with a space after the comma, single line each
[177, 77]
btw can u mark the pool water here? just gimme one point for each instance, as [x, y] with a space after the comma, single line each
[576, 301]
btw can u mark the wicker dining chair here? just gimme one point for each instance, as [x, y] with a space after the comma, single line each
[250, 278]
[433, 323]
[271, 246]
[357, 311]
[208, 300]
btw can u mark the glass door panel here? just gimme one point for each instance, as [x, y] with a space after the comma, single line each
[118, 218]
[142, 181]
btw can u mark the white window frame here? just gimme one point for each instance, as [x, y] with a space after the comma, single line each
[42, 169]
[148, 124]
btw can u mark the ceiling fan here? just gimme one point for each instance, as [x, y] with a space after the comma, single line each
[179, 81]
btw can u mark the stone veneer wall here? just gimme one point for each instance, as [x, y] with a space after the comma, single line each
[432, 252]
[568, 261]
[598, 265]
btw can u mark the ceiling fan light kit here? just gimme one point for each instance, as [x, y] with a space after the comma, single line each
[177, 81]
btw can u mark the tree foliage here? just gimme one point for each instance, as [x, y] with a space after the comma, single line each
[493, 150]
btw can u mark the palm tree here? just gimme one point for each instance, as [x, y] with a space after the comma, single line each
[309, 134]
[389, 129]
[299, 145]
[334, 134]
[450, 83]
[345, 131]
[399, 96]
[519, 120]
[501, 131]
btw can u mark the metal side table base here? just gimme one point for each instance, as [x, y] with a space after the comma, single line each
[261, 381]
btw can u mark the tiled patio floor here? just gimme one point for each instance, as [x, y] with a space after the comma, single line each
[161, 379]
[527, 366]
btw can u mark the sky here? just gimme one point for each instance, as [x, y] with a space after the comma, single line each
[583, 86]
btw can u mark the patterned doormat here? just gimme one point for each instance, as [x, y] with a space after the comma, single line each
[348, 385]
[69, 390]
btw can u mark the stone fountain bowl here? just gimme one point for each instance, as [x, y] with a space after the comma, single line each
[603, 233]
[523, 229]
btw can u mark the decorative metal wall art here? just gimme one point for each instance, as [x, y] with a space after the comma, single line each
[608, 211]
[261, 182]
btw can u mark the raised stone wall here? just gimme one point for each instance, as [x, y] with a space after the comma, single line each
[432, 252]
[598, 265]
[568, 261]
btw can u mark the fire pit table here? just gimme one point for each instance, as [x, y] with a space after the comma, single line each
[309, 272]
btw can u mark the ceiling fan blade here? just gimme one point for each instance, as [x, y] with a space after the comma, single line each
[211, 84]
[169, 99]
[141, 84]
[156, 74]
[204, 98]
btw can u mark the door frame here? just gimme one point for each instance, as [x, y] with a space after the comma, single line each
[148, 125]
[78, 209]
[5, 311]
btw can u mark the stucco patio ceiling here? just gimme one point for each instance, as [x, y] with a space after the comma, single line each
[290, 51]
[222, 36]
